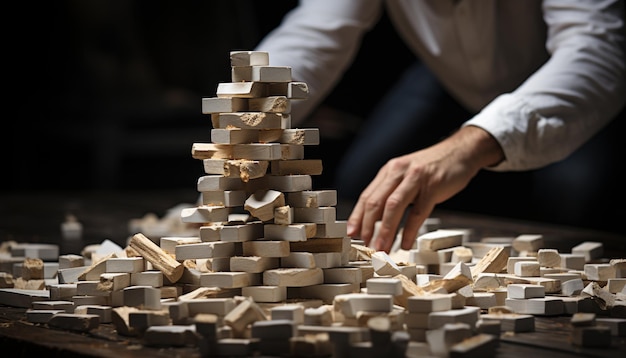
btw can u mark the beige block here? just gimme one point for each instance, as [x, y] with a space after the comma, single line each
[217, 105]
[293, 277]
[301, 167]
[249, 58]
[277, 104]
[261, 204]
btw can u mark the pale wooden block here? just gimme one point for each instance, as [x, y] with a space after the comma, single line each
[527, 269]
[45, 252]
[253, 264]
[573, 261]
[81, 300]
[528, 242]
[62, 291]
[461, 254]
[142, 319]
[293, 277]
[71, 274]
[572, 287]
[232, 233]
[302, 136]
[325, 260]
[292, 312]
[170, 335]
[292, 90]
[212, 151]
[298, 259]
[217, 306]
[512, 322]
[312, 198]
[234, 135]
[227, 198]
[343, 275]
[266, 294]
[71, 260]
[590, 249]
[616, 285]
[442, 339]
[439, 239]
[261, 203]
[297, 167]
[429, 303]
[229, 279]
[283, 215]
[549, 258]
[218, 105]
[219, 183]
[266, 248]
[545, 306]
[425, 257]
[104, 312]
[275, 329]
[147, 278]
[334, 229]
[599, 272]
[41, 315]
[114, 281]
[480, 249]
[511, 261]
[351, 303]
[524, 291]
[318, 215]
[64, 305]
[384, 285]
[484, 300]
[204, 214]
[494, 261]
[289, 183]
[217, 264]
[242, 89]
[261, 74]
[248, 120]
[169, 243]
[90, 288]
[236, 168]
[384, 265]
[205, 250]
[244, 314]
[249, 58]
[145, 297]
[427, 278]
[321, 316]
[278, 104]
[75, 322]
[29, 269]
[341, 244]
[620, 267]
[467, 314]
[293, 232]
[125, 264]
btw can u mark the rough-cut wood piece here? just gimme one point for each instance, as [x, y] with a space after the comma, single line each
[265, 74]
[227, 198]
[266, 248]
[219, 182]
[261, 204]
[292, 90]
[211, 150]
[439, 239]
[244, 314]
[549, 258]
[248, 120]
[159, 259]
[249, 58]
[283, 215]
[218, 105]
[293, 277]
[236, 168]
[306, 136]
[409, 288]
[312, 198]
[494, 261]
[293, 232]
[289, 183]
[460, 276]
[279, 104]
[527, 269]
[301, 167]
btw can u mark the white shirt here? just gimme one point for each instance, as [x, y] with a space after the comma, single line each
[543, 76]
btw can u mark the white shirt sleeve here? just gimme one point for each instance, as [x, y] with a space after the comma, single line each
[319, 39]
[572, 96]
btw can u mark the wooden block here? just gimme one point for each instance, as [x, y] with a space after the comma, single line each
[590, 249]
[236, 168]
[616, 285]
[62, 291]
[527, 269]
[441, 340]
[244, 314]
[599, 272]
[147, 278]
[512, 322]
[71, 260]
[283, 215]
[299, 136]
[293, 277]
[266, 294]
[170, 336]
[248, 120]
[334, 229]
[292, 90]
[104, 312]
[384, 285]
[572, 287]
[528, 242]
[217, 105]
[312, 198]
[468, 315]
[229, 279]
[325, 260]
[168, 243]
[249, 58]
[219, 183]
[549, 258]
[261, 74]
[41, 315]
[32, 269]
[493, 262]
[261, 203]
[573, 261]
[266, 248]
[110, 282]
[297, 167]
[524, 291]
[144, 297]
[384, 265]
[75, 322]
[277, 104]
[620, 267]
[242, 89]
[141, 319]
[289, 183]
[484, 300]
[351, 303]
[124, 264]
[159, 259]
[546, 306]
[211, 151]
[217, 306]
[235, 135]
[439, 239]
[293, 232]
[318, 215]
[205, 250]
[343, 275]
[253, 264]
[226, 198]
[298, 259]
[232, 233]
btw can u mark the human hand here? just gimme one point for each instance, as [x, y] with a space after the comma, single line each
[420, 180]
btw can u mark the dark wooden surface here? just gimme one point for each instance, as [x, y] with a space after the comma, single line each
[37, 216]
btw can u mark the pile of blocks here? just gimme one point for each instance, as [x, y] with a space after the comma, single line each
[269, 270]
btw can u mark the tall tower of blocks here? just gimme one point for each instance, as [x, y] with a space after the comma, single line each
[263, 230]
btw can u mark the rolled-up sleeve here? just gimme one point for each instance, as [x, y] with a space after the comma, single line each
[319, 39]
[572, 96]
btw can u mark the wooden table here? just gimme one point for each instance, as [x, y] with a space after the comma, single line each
[36, 217]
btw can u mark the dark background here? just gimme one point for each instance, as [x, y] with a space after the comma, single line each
[106, 95]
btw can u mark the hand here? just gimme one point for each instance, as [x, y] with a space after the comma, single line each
[422, 179]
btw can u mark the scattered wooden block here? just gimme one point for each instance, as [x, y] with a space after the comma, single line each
[293, 277]
[278, 104]
[74, 322]
[549, 258]
[266, 248]
[591, 250]
[261, 204]
[527, 269]
[170, 335]
[217, 105]
[159, 259]
[265, 294]
[439, 239]
[528, 243]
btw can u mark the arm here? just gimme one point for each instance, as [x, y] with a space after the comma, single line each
[319, 39]
[572, 96]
